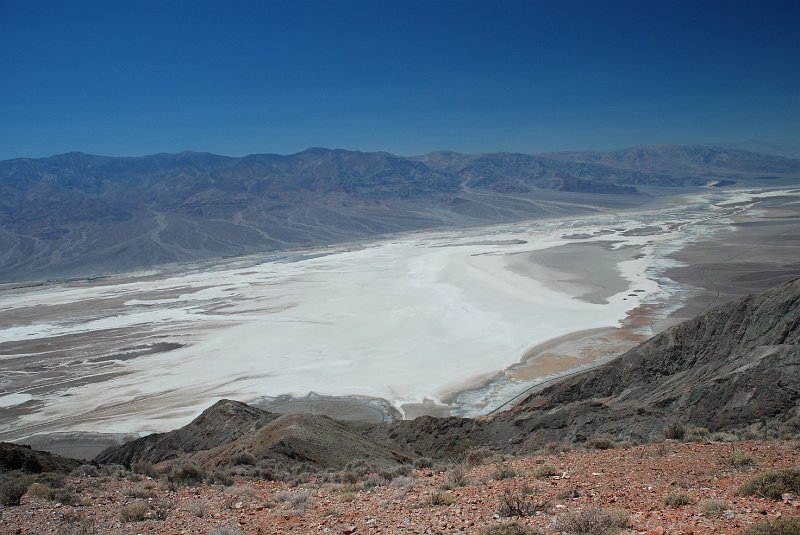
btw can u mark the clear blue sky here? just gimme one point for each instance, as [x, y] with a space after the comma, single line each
[234, 77]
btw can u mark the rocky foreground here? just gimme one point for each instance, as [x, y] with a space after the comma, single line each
[671, 487]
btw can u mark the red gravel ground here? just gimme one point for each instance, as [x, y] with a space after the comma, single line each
[637, 480]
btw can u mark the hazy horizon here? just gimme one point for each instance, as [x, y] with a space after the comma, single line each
[407, 78]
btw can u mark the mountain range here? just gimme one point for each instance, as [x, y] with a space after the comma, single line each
[78, 215]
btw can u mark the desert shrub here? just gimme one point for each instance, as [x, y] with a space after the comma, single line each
[243, 458]
[593, 522]
[405, 482]
[239, 490]
[423, 462]
[503, 471]
[226, 530]
[198, 509]
[739, 460]
[477, 456]
[569, 494]
[677, 499]
[85, 470]
[347, 497]
[513, 528]
[144, 468]
[674, 431]
[186, 474]
[697, 434]
[13, 487]
[134, 512]
[512, 504]
[544, 470]
[441, 498]
[773, 484]
[456, 477]
[600, 443]
[787, 525]
[713, 506]
[221, 477]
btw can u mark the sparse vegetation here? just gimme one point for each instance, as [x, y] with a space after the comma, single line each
[13, 487]
[243, 458]
[512, 528]
[773, 484]
[456, 477]
[677, 499]
[713, 507]
[423, 462]
[675, 431]
[186, 474]
[198, 509]
[739, 460]
[593, 522]
[600, 443]
[544, 470]
[144, 468]
[512, 504]
[503, 471]
[779, 526]
[134, 512]
[441, 498]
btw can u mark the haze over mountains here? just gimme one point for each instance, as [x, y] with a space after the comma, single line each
[81, 215]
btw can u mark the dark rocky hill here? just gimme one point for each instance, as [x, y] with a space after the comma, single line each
[733, 369]
[14, 457]
[82, 215]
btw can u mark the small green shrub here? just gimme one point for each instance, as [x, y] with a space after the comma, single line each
[773, 484]
[787, 525]
[593, 522]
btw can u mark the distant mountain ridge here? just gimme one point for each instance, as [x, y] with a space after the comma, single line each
[80, 215]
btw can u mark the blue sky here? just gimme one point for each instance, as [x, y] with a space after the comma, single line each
[237, 77]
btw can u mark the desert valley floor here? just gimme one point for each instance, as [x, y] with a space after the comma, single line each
[447, 322]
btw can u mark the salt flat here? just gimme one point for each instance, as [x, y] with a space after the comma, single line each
[414, 320]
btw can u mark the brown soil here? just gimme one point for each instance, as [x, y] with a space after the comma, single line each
[636, 480]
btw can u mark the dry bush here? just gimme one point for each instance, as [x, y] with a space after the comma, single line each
[221, 477]
[779, 526]
[243, 458]
[773, 484]
[477, 456]
[593, 522]
[677, 499]
[600, 443]
[198, 509]
[423, 462]
[512, 528]
[503, 471]
[456, 477]
[713, 507]
[675, 431]
[134, 512]
[225, 530]
[144, 468]
[441, 498]
[697, 434]
[521, 505]
[739, 460]
[544, 470]
[186, 474]
[13, 487]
